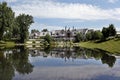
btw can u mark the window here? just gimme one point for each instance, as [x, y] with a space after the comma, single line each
[43, 33]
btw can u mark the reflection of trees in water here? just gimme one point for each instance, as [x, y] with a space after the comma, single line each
[110, 60]
[97, 54]
[21, 62]
[6, 68]
[77, 52]
[47, 49]
[17, 61]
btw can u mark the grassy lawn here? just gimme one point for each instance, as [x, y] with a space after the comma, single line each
[110, 46]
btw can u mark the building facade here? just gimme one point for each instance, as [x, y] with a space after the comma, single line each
[64, 34]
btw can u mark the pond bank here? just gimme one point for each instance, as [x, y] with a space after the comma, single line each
[112, 46]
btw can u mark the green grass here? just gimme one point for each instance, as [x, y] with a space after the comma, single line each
[110, 46]
[7, 44]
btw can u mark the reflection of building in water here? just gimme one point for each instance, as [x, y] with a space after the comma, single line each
[7, 53]
[65, 53]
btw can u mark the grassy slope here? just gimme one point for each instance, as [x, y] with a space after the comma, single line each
[111, 45]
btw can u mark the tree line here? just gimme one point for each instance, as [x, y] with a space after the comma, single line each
[13, 27]
[103, 35]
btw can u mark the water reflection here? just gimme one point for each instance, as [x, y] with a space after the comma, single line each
[12, 60]
[17, 59]
[6, 68]
[76, 53]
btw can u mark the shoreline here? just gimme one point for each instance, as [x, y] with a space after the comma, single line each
[110, 45]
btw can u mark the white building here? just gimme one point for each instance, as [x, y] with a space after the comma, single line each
[34, 35]
[61, 34]
[42, 34]
[118, 34]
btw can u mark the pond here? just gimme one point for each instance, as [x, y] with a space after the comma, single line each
[21, 63]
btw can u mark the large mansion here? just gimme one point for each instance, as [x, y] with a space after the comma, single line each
[64, 34]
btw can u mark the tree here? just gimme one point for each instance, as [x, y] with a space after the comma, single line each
[109, 31]
[88, 36]
[34, 31]
[24, 22]
[97, 35]
[94, 35]
[112, 30]
[6, 19]
[48, 38]
[78, 37]
[44, 30]
[105, 32]
[15, 30]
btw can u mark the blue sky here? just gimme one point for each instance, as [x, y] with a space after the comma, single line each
[56, 14]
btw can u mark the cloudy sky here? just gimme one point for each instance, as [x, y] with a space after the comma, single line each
[56, 14]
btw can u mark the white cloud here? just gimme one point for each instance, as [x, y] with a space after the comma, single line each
[51, 9]
[10, 0]
[40, 27]
[112, 1]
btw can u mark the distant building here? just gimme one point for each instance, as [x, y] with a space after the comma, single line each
[64, 34]
[118, 34]
[42, 34]
[34, 35]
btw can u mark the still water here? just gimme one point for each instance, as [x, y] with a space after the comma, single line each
[22, 63]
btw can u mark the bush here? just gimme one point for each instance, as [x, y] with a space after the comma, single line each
[33, 42]
[48, 38]
[78, 37]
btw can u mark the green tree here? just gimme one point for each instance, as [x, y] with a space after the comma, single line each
[78, 37]
[109, 31]
[34, 30]
[94, 35]
[44, 30]
[15, 30]
[97, 35]
[6, 19]
[24, 22]
[88, 36]
[105, 32]
[112, 30]
[48, 38]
